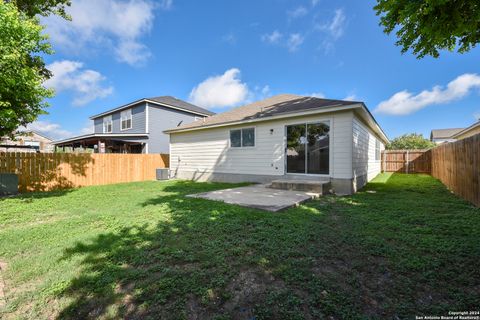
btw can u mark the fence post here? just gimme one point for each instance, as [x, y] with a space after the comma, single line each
[407, 162]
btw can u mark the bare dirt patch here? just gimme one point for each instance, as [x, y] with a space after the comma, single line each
[242, 293]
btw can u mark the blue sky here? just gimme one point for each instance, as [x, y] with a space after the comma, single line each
[221, 54]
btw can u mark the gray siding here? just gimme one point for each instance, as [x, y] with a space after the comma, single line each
[98, 125]
[138, 121]
[161, 119]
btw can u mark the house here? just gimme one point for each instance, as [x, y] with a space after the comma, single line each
[440, 136]
[468, 132]
[26, 141]
[136, 127]
[287, 136]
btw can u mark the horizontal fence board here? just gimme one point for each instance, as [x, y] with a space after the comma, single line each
[54, 171]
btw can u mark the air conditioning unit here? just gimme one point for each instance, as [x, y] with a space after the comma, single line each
[8, 183]
[162, 174]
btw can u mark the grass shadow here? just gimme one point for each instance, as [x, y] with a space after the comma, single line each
[393, 250]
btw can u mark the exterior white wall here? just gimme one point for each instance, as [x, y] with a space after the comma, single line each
[364, 165]
[206, 151]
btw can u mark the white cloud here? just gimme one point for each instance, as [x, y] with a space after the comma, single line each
[230, 38]
[272, 38]
[49, 129]
[336, 27]
[315, 95]
[333, 30]
[224, 90]
[404, 102]
[132, 52]
[292, 43]
[118, 24]
[166, 4]
[295, 40]
[315, 2]
[351, 97]
[89, 128]
[86, 84]
[266, 90]
[297, 12]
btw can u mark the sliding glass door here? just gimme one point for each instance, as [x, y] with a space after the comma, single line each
[308, 148]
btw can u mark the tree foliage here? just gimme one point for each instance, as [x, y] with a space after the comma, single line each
[22, 69]
[410, 141]
[43, 7]
[428, 26]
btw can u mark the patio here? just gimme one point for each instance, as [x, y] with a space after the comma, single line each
[258, 197]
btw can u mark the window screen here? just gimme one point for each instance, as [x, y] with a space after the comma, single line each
[235, 138]
[248, 137]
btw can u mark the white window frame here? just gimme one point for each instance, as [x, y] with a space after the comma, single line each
[330, 146]
[241, 138]
[126, 115]
[107, 120]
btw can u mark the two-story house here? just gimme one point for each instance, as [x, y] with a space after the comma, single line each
[136, 127]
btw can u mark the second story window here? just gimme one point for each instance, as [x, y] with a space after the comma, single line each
[107, 124]
[126, 119]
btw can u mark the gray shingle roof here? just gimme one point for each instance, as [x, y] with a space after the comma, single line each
[180, 104]
[444, 133]
[273, 106]
[164, 100]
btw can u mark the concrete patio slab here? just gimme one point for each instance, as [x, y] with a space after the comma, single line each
[258, 197]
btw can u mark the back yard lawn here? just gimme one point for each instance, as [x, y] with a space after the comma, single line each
[402, 246]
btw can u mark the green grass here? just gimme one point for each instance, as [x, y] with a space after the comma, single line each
[403, 246]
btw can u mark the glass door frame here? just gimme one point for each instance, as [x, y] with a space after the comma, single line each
[330, 147]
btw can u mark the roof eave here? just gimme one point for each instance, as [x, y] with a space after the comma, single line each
[473, 126]
[334, 108]
[146, 101]
[100, 135]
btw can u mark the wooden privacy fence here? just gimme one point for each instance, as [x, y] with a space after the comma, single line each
[407, 161]
[457, 165]
[52, 171]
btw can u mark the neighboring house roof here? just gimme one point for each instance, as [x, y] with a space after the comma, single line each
[25, 133]
[466, 130]
[166, 101]
[283, 105]
[444, 133]
[40, 134]
[100, 135]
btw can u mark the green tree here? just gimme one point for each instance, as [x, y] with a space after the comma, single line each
[22, 69]
[43, 7]
[427, 26]
[410, 141]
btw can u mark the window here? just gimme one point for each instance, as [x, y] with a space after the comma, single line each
[242, 138]
[377, 150]
[107, 124]
[126, 119]
[248, 137]
[198, 118]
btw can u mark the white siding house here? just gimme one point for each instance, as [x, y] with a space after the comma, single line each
[341, 146]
